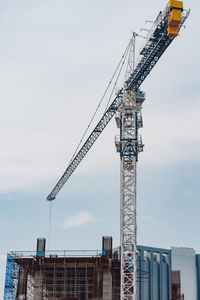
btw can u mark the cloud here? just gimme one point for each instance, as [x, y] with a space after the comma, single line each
[37, 143]
[79, 219]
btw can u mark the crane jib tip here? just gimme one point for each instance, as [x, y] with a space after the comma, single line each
[50, 198]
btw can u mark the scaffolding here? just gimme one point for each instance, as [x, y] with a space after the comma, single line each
[77, 282]
[60, 276]
[85, 275]
[11, 279]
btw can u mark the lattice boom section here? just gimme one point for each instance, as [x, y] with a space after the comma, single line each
[87, 145]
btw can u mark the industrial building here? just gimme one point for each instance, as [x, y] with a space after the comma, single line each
[162, 274]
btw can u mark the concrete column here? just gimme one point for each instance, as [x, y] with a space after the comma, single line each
[38, 286]
[22, 284]
[107, 285]
[98, 282]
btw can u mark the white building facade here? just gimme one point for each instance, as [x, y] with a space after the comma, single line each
[187, 262]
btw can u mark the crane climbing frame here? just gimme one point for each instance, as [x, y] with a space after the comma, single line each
[127, 104]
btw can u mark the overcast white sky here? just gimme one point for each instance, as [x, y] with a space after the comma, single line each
[56, 58]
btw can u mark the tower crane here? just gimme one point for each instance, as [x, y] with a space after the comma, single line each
[126, 107]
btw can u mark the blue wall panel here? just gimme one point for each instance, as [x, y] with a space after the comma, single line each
[154, 273]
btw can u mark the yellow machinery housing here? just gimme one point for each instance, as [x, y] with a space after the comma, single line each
[175, 17]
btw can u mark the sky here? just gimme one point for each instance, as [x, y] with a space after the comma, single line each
[56, 60]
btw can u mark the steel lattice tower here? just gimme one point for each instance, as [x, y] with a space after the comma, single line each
[129, 120]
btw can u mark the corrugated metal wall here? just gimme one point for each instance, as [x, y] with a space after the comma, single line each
[154, 275]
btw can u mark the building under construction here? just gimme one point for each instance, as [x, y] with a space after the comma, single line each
[85, 275]
[131, 271]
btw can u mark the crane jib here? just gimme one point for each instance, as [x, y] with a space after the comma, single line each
[88, 144]
[155, 46]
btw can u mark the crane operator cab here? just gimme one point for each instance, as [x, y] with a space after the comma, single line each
[174, 9]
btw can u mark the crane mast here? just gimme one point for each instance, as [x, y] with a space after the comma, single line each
[129, 119]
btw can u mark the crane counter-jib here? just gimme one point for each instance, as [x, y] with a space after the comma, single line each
[165, 28]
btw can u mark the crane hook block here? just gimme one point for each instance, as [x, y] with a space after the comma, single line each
[51, 198]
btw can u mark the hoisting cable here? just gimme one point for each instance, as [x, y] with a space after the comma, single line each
[122, 61]
[116, 80]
